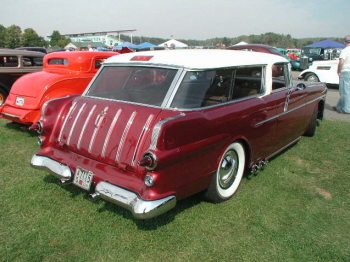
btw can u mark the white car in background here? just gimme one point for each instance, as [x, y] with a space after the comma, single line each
[322, 71]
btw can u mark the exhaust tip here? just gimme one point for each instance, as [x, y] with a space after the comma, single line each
[94, 197]
[65, 181]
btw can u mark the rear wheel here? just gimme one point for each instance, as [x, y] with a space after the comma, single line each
[311, 77]
[228, 175]
[3, 95]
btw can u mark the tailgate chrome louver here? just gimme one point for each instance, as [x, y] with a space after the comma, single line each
[98, 122]
[110, 134]
[115, 119]
[74, 123]
[121, 143]
[145, 127]
[66, 120]
[84, 126]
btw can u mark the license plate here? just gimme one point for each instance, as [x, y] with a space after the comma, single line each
[83, 178]
[19, 101]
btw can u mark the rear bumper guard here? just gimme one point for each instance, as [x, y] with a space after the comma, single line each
[141, 209]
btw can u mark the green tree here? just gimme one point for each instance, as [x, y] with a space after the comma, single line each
[56, 39]
[2, 35]
[31, 38]
[13, 36]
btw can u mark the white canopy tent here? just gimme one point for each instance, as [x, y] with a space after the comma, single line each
[242, 43]
[172, 43]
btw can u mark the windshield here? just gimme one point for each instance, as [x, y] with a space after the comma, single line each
[145, 85]
[314, 51]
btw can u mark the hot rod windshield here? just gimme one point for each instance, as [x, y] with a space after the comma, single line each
[145, 85]
[313, 50]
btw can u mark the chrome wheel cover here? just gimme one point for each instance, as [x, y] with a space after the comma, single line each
[228, 169]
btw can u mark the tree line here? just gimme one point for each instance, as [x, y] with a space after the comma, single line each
[271, 39]
[12, 37]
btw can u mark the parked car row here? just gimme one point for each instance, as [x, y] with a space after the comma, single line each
[322, 71]
[14, 64]
[63, 74]
[295, 63]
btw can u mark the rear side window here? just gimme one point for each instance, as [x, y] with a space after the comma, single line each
[248, 82]
[32, 61]
[58, 61]
[9, 61]
[14, 61]
[214, 87]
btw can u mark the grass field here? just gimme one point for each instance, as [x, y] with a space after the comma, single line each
[296, 209]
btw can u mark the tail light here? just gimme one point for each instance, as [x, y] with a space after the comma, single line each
[149, 161]
[37, 127]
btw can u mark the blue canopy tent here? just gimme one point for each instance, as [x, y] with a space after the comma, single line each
[145, 44]
[101, 48]
[328, 44]
[126, 44]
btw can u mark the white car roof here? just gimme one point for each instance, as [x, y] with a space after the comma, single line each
[198, 58]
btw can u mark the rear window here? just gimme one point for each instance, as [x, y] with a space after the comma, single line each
[145, 85]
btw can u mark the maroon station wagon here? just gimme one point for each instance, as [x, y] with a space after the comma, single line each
[153, 128]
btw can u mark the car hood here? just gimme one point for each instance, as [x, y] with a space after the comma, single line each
[111, 132]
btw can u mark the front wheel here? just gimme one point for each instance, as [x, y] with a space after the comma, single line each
[228, 175]
[311, 77]
[311, 130]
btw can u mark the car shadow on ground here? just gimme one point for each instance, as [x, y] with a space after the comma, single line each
[159, 221]
[20, 127]
[148, 224]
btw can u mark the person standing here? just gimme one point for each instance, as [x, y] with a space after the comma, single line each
[343, 105]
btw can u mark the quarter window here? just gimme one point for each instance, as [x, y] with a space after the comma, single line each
[280, 76]
[208, 88]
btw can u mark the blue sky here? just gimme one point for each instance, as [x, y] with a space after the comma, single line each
[191, 19]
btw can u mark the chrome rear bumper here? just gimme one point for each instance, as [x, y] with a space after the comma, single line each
[140, 208]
